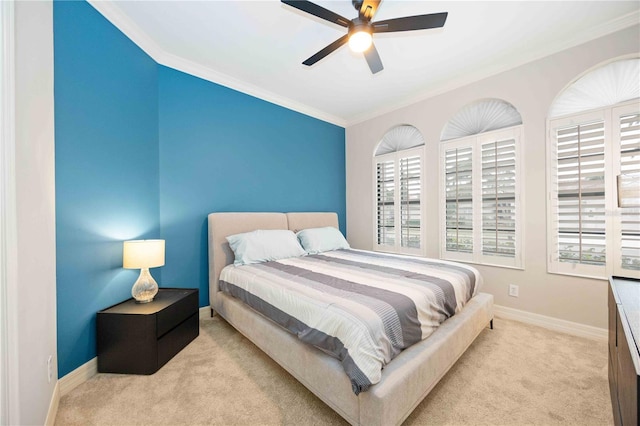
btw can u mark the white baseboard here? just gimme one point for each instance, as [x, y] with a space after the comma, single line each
[78, 376]
[205, 313]
[89, 369]
[53, 406]
[550, 323]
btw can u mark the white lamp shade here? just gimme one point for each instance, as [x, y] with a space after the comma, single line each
[137, 254]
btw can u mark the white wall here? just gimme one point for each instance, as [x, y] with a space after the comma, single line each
[35, 296]
[531, 88]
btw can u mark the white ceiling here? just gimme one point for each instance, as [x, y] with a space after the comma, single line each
[258, 47]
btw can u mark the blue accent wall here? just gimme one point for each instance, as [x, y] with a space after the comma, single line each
[107, 170]
[222, 150]
[144, 151]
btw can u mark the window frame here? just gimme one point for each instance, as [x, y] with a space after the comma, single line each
[397, 247]
[610, 116]
[475, 142]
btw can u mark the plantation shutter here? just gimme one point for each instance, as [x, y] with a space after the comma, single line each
[499, 198]
[399, 187]
[386, 202]
[458, 168]
[580, 188]
[480, 192]
[410, 190]
[629, 128]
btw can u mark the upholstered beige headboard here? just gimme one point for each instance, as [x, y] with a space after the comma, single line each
[221, 225]
[302, 220]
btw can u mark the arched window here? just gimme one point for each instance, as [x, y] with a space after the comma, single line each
[480, 117]
[594, 145]
[398, 162]
[480, 211]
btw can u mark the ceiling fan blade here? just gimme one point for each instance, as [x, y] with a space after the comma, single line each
[373, 59]
[410, 23]
[329, 49]
[369, 8]
[319, 11]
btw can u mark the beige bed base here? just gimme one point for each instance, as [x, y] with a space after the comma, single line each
[405, 381]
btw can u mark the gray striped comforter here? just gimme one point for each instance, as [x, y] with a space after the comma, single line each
[358, 306]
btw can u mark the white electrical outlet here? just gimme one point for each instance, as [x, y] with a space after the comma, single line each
[49, 369]
[513, 290]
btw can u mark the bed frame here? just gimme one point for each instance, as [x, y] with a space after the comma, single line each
[405, 381]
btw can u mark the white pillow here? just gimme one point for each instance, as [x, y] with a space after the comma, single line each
[318, 240]
[264, 245]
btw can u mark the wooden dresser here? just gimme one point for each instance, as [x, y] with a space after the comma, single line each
[624, 353]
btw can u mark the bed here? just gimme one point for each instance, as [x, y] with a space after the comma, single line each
[404, 382]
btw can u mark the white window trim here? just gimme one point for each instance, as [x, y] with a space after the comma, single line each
[475, 142]
[397, 248]
[612, 212]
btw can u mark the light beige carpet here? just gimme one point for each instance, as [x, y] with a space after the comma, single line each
[515, 374]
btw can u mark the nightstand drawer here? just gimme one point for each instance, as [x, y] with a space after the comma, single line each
[172, 342]
[176, 313]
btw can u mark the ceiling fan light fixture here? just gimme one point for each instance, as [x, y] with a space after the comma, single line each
[360, 41]
[360, 30]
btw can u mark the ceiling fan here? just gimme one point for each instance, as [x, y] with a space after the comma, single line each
[361, 29]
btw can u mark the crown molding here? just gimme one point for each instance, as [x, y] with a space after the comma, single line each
[610, 27]
[198, 70]
[121, 21]
[115, 15]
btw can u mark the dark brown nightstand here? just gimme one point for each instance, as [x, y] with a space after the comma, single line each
[136, 338]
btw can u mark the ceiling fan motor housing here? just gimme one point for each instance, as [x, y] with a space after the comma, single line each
[359, 24]
[366, 12]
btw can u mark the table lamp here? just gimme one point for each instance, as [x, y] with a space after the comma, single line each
[143, 254]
